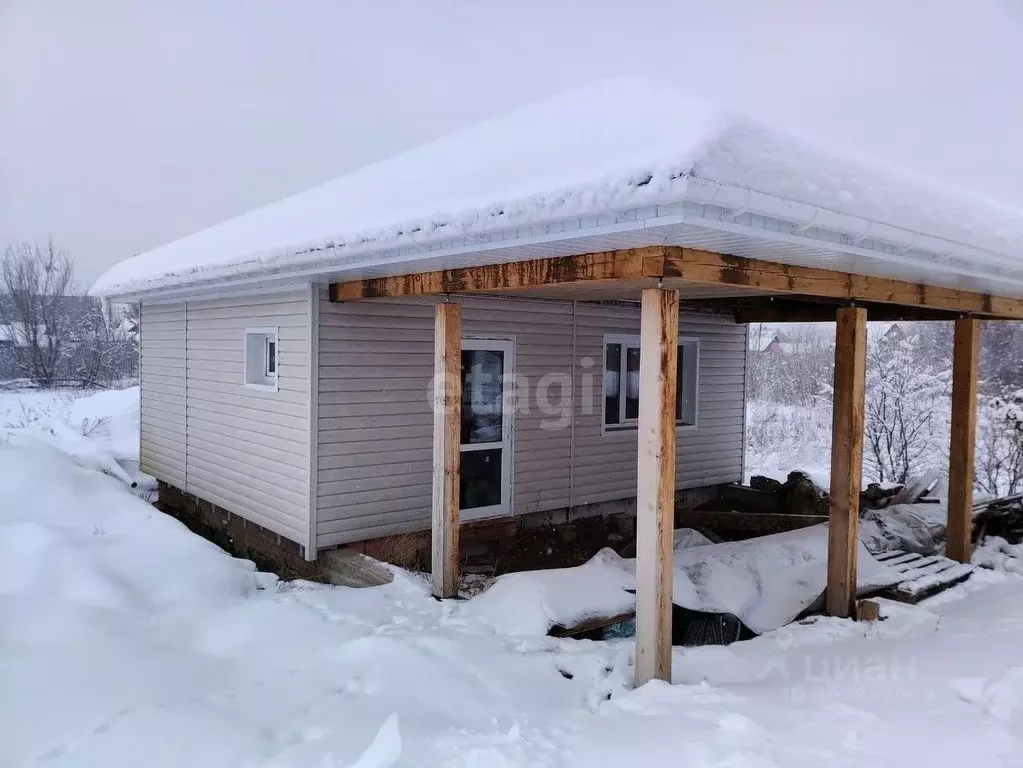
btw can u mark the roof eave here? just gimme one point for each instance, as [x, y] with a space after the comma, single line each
[705, 203]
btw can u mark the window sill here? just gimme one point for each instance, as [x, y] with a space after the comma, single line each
[262, 387]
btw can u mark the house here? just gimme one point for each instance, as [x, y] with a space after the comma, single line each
[490, 326]
[770, 340]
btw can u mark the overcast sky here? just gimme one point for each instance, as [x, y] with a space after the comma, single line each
[128, 123]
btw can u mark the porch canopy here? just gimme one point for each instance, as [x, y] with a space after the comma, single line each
[622, 190]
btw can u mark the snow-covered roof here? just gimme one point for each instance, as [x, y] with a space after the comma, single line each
[615, 163]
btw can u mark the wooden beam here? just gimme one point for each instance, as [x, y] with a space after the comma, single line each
[705, 267]
[655, 493]
[447, 417]
[965, 367]
[766, 310]
[601, 267]
[846, 459]
[679, 265]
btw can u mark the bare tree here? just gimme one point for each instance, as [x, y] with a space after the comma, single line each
[35, 283]
[102, 347]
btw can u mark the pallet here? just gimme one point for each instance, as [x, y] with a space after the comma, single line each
[923, 576]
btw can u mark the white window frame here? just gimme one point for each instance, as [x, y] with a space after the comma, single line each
[692, 358]
[506, 344]
[267, 381]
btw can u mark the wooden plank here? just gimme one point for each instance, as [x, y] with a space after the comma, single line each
[965, 367]
[697, 266]
[846, 459]
[447, 415]
[676, 266]
[768, 309]
[597, 267]
[655, 493]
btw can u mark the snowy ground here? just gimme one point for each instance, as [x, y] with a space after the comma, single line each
[125, 640]
[781, 438]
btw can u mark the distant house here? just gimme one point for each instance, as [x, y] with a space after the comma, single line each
[770, 341]
[289, 355]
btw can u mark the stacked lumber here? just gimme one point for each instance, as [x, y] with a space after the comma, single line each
[999, 517]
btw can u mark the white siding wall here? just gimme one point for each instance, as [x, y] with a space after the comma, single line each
[162, 386]
[204, 431]
[604, 465]
[248, 450]
[375, 425]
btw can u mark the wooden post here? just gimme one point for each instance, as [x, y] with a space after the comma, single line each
[655, 494]
[447, 417]
[846, 459]
[966, 352]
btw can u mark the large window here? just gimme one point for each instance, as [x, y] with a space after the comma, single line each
[261, 358]
[621, 382]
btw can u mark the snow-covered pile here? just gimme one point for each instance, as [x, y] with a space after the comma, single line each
[531, 602]
[127, 640]
[767, 582]
[99, 430]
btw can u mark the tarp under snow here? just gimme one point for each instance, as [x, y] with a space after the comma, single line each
[766, 582]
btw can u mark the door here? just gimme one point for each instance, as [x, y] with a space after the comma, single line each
[486, 472]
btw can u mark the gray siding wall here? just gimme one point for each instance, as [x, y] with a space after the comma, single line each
[375, 424]
[162, 388]
[245, 450]
[248, 450]
[711, 453]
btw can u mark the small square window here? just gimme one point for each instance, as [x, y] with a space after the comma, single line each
[621, 382]
[261, 358]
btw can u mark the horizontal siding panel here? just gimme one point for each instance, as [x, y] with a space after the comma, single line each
[345, 448]
[605, 467]
[166, 370]
[260, 445]
[399, 406]
[162, 392]
[375, 423]
[370, 471]
[327, 540]
[172, 406]
[247, 449]
[245, 396]
[292, 476]
[163, 424]
[255, 511]
[236, 379]
[360, 461]
[384, 484]
[255, 410]
[157, 391]
[281, 451]
[368, 513]
[357, 500]
[202, 337]
[290, 507]
[245, 431]
[152, 456]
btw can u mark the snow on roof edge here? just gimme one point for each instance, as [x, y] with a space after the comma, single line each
[732, 151]
[628, 191]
